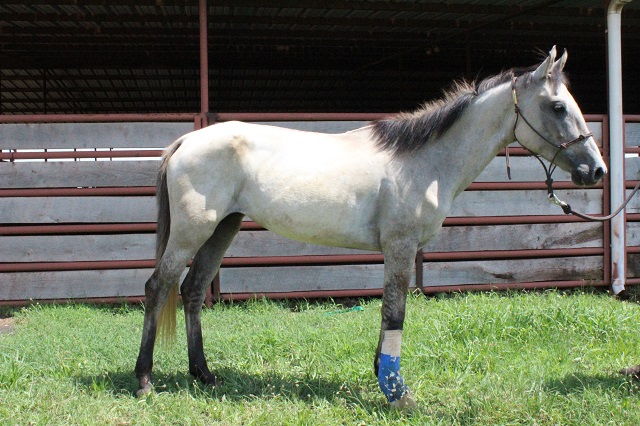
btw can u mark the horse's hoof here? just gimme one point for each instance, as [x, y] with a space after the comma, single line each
[211, 380]
[206, 378]
[406, 402]
[143, 391]
[633, 372]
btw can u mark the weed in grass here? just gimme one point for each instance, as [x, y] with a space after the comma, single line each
[13, 370]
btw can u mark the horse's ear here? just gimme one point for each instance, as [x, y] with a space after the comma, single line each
[559, 65]
[544, 69]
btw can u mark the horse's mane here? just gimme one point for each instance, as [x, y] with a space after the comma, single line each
[405, 133]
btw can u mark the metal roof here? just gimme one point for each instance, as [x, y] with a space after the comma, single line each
[109, 56]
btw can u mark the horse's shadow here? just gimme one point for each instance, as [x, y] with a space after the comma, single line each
[577, 383]
[235, 386]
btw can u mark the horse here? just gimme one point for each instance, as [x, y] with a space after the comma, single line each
[385, 187]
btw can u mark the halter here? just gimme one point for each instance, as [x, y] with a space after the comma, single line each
[559, 148]
[551, 196]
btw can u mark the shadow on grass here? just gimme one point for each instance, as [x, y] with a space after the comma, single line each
[236, 386]
[577, 383]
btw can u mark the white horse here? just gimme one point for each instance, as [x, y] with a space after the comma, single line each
[385, 187]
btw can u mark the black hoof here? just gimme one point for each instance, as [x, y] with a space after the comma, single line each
[205, 377]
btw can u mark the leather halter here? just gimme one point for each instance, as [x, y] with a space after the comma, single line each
[559, 148]
[519, 114]
[552, 166]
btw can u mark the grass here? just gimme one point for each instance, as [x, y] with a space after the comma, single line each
[547, 358]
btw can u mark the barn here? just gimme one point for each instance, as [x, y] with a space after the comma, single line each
[91, 91]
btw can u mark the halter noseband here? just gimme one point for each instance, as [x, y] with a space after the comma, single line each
[559, 148]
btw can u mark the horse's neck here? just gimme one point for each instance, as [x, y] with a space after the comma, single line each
[475, 139]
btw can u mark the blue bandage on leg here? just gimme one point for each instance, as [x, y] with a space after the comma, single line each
[389, 377]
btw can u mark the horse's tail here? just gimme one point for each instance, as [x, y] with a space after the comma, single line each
[167, 320]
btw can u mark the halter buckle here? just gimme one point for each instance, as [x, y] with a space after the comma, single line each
[553, 199]
[566, 208]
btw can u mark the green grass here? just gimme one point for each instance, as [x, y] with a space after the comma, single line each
[547, 358]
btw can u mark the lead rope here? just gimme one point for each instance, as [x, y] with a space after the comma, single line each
[551, 196]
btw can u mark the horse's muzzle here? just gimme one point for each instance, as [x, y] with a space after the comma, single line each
[588, 176]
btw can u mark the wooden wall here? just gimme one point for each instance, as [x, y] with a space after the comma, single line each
[83, 228]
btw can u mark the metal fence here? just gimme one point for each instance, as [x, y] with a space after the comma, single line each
[77, 219]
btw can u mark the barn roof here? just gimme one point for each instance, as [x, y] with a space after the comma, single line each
[108, 56]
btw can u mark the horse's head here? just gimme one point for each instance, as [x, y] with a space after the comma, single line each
[550, 123]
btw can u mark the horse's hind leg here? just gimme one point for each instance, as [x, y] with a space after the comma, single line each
[204, 268]
[157, 290]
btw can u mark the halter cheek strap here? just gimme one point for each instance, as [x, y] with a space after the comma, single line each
[519, 114]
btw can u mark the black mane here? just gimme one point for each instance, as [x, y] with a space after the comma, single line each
[405, 133]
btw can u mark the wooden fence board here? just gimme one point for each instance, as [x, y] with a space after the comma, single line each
[48, 210]
[507, 271]
[91, 135]
[346, 277]
[71, 174]
[300, 278]
[632, 168]
[130, 282]
[523, 169]
[633, 265]
[595, 127]
[73, 284]
[449, 239]
[632, 134]
[517, 203]
[517, 237]
[73, 248]
[75, 174]
[634, 204]
[77, 248]
[633, 234]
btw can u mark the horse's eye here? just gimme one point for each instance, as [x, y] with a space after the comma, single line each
[559, 107]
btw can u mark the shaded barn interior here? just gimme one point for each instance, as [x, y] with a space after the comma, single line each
[111, 56]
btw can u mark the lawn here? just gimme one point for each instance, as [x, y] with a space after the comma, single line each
[542, 358]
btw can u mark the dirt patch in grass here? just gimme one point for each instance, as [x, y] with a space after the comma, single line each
[7, 325]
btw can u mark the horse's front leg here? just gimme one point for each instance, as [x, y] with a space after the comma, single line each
[398, 264]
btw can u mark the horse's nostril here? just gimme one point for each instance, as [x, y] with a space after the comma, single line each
[599, 173]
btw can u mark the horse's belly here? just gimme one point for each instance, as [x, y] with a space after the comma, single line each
[334, 235]
[339, 219]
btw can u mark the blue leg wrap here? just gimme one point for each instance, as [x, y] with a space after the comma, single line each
[389, 377]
